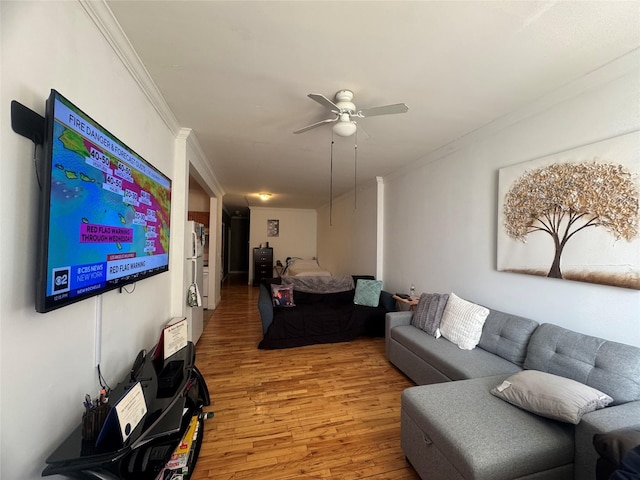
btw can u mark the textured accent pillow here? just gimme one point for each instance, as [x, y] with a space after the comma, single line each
[367, 292]
[419, 316]
[282, 295]
[551, 396]
[462, 322]
[428, 313]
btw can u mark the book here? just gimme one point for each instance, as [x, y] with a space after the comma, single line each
[185, 445]
[182, 456]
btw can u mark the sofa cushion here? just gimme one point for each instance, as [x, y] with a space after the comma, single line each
[611, 367]
[484, 437]
[462, 322]
[551, 396]
[445, 357]
[367, 293]
[507, 335]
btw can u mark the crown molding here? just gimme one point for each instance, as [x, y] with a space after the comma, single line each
[103, 17]
[203, 166]
[626, 64]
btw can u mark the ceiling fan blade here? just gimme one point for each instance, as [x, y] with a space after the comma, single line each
[384, 110]
[324, 101]
[314, 125]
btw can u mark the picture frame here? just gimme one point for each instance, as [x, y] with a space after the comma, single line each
[273, 228]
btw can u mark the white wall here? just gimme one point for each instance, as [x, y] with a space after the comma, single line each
[47, 361]
[448, 242]
[347, 238]
[297, 236]
[191, 161]
[198, 198]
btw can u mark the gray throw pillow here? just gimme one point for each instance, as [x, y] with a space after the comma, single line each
[428, 313]
[419, 317]
[434, 317]
[550, 395]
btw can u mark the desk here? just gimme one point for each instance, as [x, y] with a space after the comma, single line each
[411, 303]
[147, 449]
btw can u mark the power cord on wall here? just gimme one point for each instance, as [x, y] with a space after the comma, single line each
[124, 287]
[103, 383]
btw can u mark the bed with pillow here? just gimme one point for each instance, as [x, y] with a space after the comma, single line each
[308, 310]
[302, 267]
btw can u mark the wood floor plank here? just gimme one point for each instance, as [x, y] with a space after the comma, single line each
[318, 412]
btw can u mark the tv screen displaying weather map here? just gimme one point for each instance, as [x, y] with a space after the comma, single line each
[105, 211]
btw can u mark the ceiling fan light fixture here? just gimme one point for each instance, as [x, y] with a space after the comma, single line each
[264, 196]
[344, 127]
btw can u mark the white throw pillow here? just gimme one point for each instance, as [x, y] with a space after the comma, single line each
[462, 322]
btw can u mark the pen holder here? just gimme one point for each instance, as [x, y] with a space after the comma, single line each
[92, 421]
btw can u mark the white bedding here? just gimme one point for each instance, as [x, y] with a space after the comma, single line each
[299, 267]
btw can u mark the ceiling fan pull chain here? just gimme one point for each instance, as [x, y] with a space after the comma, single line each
[355, 172]
[331, 184]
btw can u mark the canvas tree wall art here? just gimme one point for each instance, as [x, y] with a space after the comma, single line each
[574, 215]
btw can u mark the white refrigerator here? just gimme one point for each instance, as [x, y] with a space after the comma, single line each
[194, 263]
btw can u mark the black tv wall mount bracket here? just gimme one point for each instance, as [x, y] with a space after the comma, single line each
[27, 123]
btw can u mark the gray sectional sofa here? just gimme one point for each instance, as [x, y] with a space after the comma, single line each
[453, 428]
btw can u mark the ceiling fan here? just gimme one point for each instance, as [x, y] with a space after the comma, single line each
[345, 111]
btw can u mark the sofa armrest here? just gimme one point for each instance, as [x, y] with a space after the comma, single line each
[601, 421]
[394, 319]
[265, 307]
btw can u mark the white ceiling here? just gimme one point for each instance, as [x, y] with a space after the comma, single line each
[238, 74]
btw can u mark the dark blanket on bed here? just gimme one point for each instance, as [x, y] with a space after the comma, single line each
[323, 318]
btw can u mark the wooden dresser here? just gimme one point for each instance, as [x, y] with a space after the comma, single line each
[262, 264]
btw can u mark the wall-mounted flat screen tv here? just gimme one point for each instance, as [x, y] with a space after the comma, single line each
[104, 211]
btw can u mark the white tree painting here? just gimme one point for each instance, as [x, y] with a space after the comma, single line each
[574, 215]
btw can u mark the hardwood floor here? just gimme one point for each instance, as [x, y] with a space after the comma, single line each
[321, 411]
